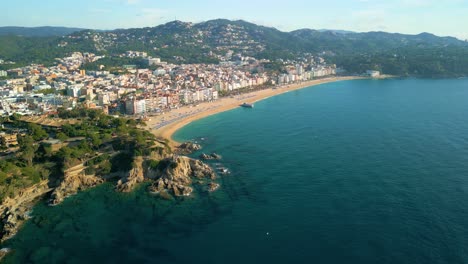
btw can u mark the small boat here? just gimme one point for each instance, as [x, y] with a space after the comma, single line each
[247, 105]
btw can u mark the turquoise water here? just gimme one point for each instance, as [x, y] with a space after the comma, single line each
[348, 172]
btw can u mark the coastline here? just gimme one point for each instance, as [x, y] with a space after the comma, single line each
[167, 124]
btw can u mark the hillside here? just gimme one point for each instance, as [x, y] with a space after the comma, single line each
[37, 31]
[208, 42]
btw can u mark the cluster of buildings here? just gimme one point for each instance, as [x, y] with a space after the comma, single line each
[299, 74]
[36, 89]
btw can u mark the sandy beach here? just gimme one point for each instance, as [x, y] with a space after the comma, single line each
[165, 125]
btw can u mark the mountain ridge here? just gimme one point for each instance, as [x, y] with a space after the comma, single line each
[217, 40]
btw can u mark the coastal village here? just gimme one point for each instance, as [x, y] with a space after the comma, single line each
[35, 89]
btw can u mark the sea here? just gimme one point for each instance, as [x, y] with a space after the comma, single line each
[361, 171]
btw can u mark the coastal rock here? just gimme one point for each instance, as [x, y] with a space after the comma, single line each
[4, 252]
[212, 156]
[188, 147]
[213, 186]
[175, 174]
[135, 176]
[216, 156]
[165, 195]
[74, 180]
[14, 211]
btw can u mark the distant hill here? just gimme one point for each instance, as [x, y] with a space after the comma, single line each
[181, 42]
[37, 31]
[337, 31]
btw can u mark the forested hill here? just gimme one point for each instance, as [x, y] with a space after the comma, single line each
[37, 31]
[180, 42]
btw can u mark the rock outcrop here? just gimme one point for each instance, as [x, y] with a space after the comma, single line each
[213, 186]
[188, 147]
[135, 176]
[4, 252]
[14, 211]
[74, 180]
[175, 174]
[212, 156]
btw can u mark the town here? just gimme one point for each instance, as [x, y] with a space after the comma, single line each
[37, 90]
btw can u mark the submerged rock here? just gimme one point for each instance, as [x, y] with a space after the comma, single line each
[213, 186]
[4, 252]
[165, 195]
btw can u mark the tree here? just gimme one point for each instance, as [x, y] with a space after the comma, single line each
[37, 132]
[28, 149]
[61, 136]
[3, 144]
[95, 140]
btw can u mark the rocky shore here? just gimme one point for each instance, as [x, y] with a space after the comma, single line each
[176, 175]
[14, 211]
[212, 156]
[172, 177]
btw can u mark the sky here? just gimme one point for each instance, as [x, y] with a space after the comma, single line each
[440, 17]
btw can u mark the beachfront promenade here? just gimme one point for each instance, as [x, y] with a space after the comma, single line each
[180, 116]
[175, 117]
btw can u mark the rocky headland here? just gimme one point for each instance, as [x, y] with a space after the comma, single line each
[171, 175]
[176, 174]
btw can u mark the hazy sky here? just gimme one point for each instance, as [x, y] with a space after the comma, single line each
[441, 17]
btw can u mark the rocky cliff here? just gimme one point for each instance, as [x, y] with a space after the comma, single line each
[14, 211]
[135, 176]
[74, 180]
[175, 175]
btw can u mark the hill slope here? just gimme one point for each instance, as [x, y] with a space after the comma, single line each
[181, 42]
[37, 31]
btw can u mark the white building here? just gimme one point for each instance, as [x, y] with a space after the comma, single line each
[104, 99]
[153, 61]
[74, 90]
[159, 72]
[42, 87]
[373, 74]
[135, 107]
[3, 73]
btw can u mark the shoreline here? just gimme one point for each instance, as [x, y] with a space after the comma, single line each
[165, 125]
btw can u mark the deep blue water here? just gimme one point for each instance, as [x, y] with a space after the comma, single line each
[350, 172]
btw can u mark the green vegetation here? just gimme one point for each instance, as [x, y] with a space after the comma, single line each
[429, 62]
[177, 42]
[104, 144]
[51, 91]
[111, 63]
[38, 50]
